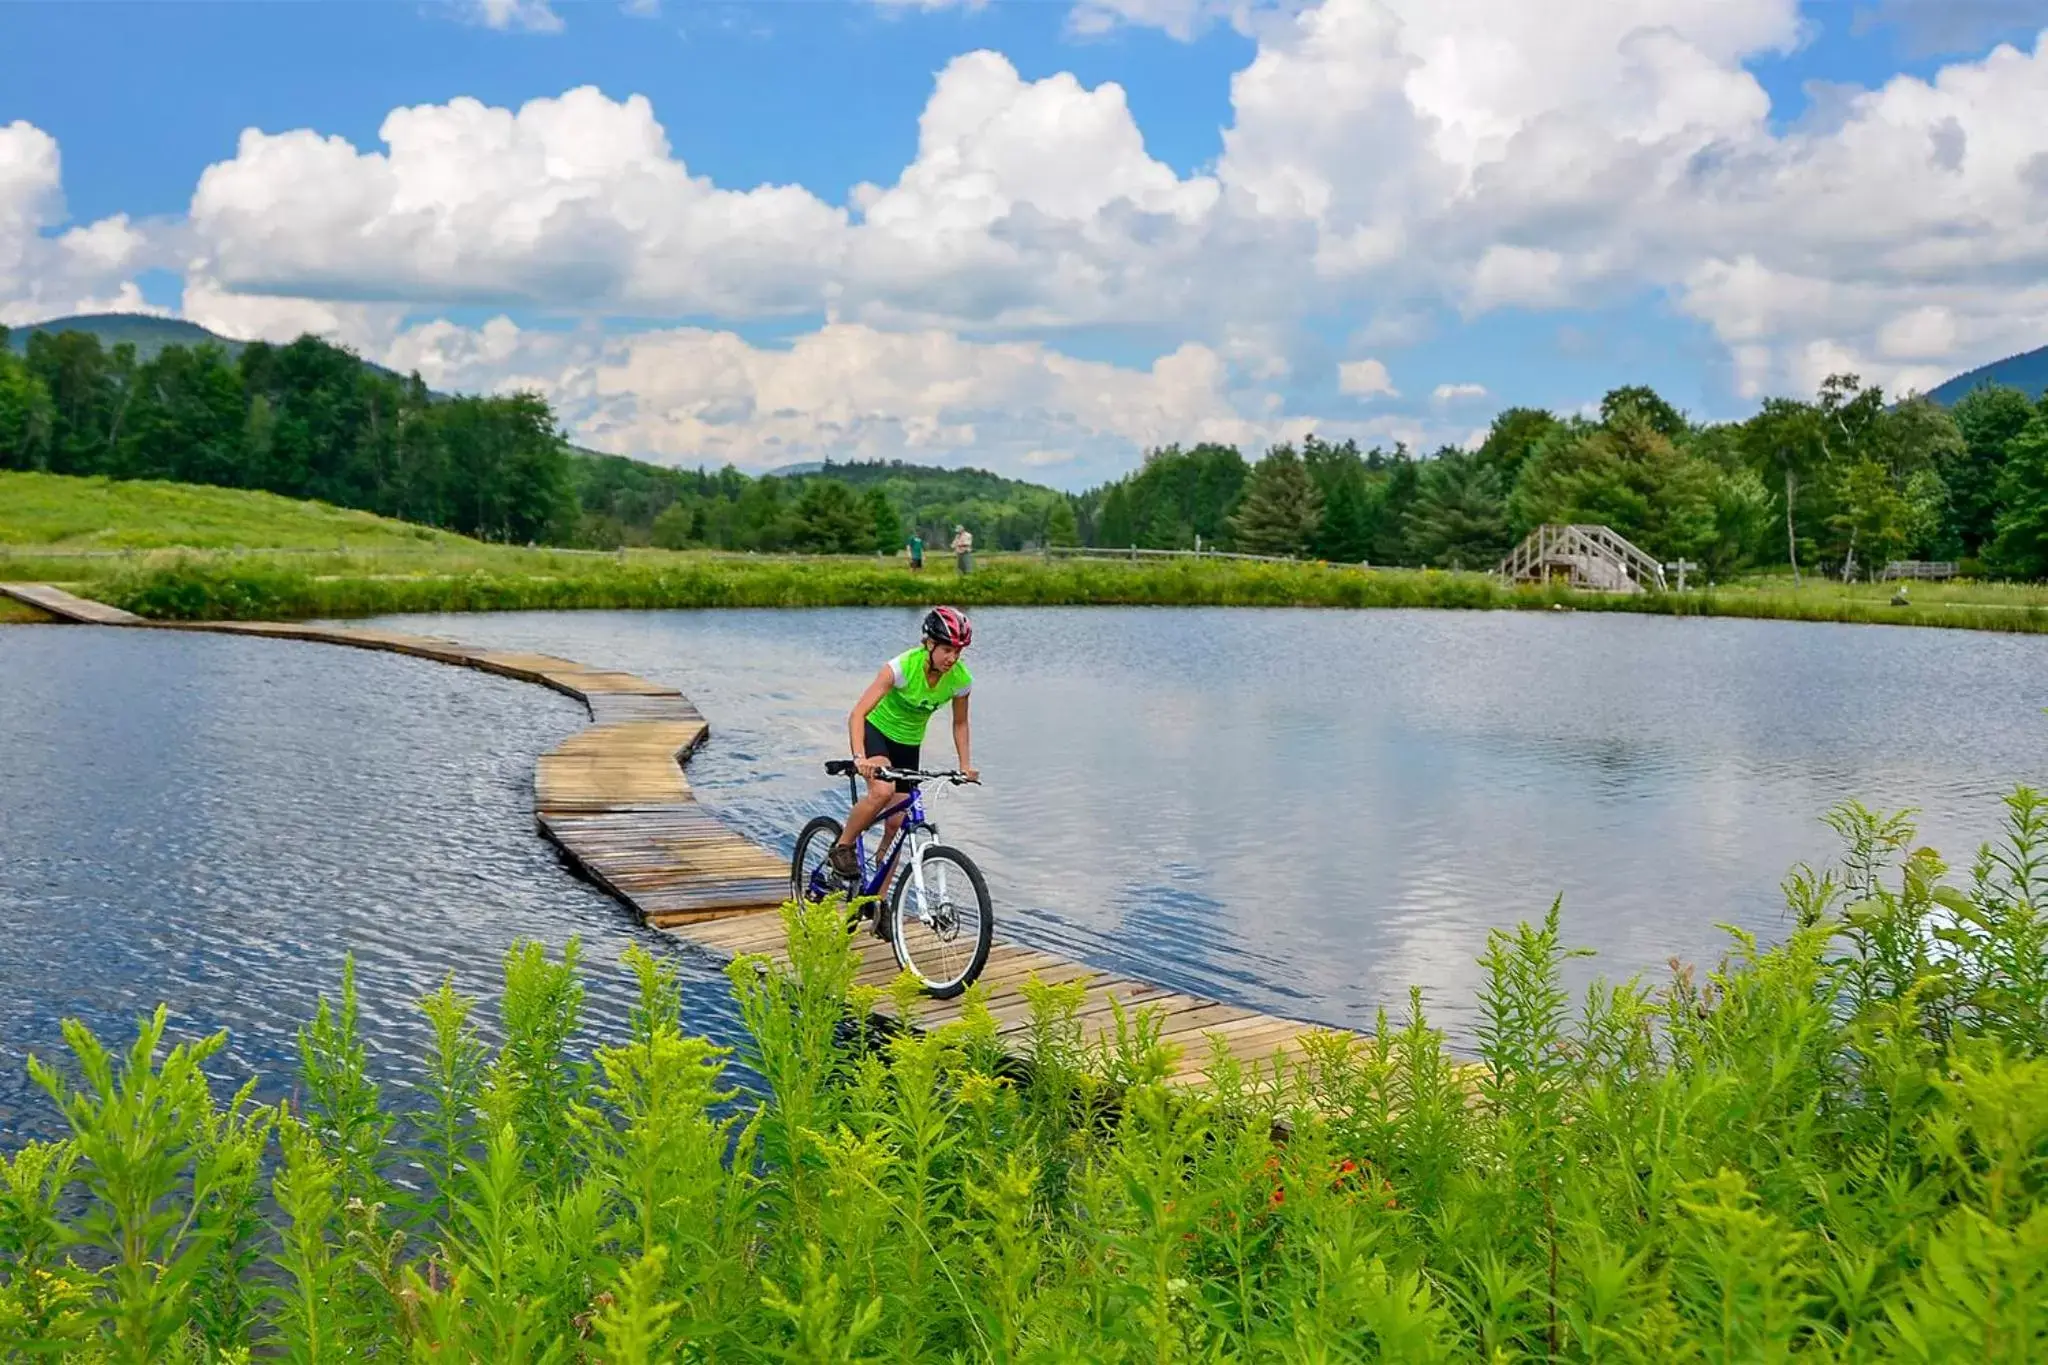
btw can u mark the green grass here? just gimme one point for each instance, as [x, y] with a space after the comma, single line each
[1834, 1149]
[60, 512]
[187, 586]
[193, 553]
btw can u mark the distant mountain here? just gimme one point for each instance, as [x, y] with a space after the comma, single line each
[2028, 372]
[148, 333]
[960, 480]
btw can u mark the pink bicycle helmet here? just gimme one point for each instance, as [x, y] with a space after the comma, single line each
[948, 626]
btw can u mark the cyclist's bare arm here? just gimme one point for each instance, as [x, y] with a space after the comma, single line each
[856, 723]
[963, 741]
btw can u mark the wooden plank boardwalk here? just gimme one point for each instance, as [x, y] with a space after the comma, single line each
[615, 799]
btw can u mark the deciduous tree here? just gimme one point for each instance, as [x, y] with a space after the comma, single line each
[2021, 546]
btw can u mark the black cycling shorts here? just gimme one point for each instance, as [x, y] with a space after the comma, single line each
[899, 754]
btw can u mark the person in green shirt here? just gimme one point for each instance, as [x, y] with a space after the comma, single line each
[916, 551]
[886, 727]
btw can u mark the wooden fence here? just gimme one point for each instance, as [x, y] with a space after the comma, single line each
[1133, 552]
[1920, 568]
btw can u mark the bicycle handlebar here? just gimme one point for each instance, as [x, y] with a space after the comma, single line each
[844, 767]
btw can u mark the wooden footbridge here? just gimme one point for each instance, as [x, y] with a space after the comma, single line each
[1589, 557]
[614, 798]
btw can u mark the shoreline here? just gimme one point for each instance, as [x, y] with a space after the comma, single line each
[259, 585]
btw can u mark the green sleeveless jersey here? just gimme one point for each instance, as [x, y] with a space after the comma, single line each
[903, 710]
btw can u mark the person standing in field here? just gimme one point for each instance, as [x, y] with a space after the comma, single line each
[963, 548]
[916, 551]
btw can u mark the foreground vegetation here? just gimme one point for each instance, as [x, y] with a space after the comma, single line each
[1835, 1148]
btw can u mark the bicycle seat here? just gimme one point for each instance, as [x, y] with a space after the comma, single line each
[840, 767]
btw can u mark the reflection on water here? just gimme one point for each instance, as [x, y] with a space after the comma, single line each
[1300, 811]
[1306, 811]
[215, 822]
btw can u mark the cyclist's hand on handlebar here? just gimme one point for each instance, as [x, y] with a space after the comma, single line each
[970, 775]
[871, 766]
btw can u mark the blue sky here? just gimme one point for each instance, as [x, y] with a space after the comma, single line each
[1704, 195]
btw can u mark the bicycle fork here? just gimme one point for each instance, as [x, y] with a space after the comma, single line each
[924, 911]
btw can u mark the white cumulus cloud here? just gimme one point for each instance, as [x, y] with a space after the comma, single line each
[85, 269]
[1445, 394]
[693, 395]
[1493, 154]
[1366, 378]
[572, 202]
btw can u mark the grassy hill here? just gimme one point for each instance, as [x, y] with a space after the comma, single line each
[2027, 372]
[59, 512]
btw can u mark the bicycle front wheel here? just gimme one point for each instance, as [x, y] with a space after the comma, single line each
[942, 930]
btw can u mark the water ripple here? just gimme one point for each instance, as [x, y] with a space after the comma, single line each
[1299, 811]
[215, 822]
[1305, 811]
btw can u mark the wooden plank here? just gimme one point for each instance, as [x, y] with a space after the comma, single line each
[721, 936]
[66, 607]
[611, 707]
[675, 919]
[741, 936]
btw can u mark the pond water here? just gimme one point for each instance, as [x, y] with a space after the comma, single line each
[215, 822]
[1307, 811]
[1304, 811]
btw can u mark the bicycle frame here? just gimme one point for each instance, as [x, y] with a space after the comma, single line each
[911, 807]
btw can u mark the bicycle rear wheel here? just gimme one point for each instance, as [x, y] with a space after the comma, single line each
[942, 934]
[808, 880]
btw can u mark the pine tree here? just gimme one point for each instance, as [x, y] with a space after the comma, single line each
[1345, 535]
[1389, 519]
[1114, 527]
[828, 519]
[888, 533]
[1281, 509]
[1459, 519]
[1060, 525]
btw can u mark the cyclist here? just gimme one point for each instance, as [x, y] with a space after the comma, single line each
[886, 726]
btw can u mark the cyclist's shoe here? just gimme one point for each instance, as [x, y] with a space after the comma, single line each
[843, 863]
[881, 913]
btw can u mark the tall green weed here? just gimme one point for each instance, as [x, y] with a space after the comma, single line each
[1834, 1147]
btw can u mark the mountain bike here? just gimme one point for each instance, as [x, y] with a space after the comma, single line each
[927, 899]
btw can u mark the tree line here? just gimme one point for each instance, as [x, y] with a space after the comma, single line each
[855, 508]
[1840, 484]
[307, 420]
[1837, 484]
[312, 420]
